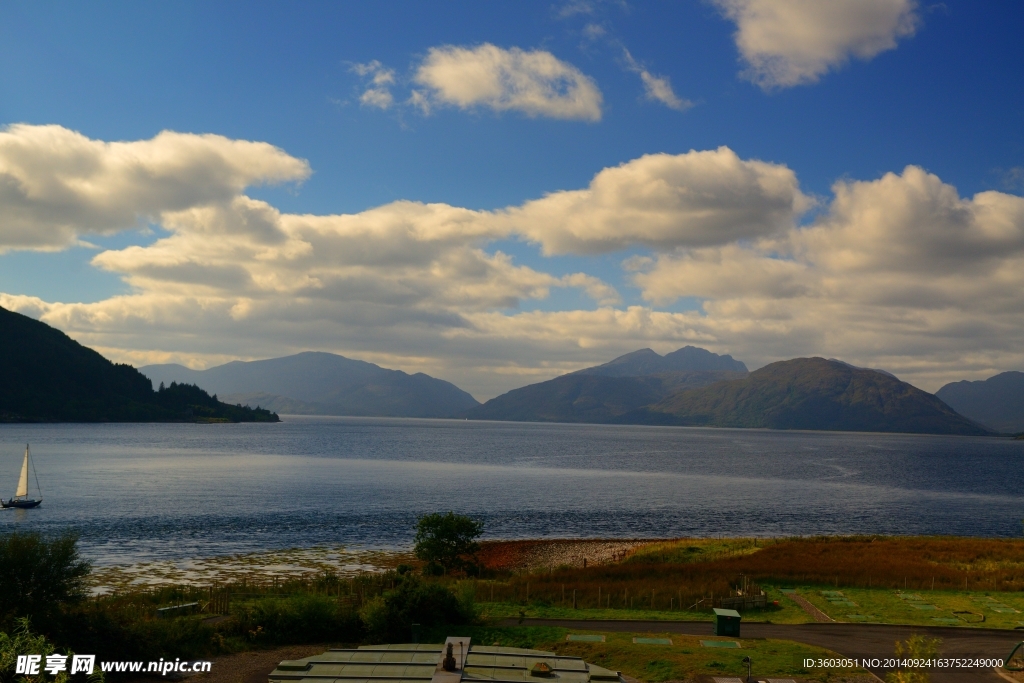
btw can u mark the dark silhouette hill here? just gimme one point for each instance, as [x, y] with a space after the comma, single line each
[45, 376]
[997, 402]
[316, 383]
[604, 392]
[810, 393]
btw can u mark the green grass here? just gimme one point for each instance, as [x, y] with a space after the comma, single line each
[886, 606]
[683, 660]
[875, 605]
[788, 613]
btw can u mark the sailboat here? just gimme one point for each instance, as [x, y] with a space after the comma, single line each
[21, 499]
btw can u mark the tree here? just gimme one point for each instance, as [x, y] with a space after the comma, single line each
[39, 575]
[447, 541]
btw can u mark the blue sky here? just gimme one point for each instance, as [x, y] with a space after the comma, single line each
[837, 98]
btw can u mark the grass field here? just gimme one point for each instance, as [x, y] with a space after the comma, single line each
[685, 659]
[908, 580]
[923, 608]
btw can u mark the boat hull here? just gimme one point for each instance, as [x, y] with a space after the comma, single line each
[20, 503]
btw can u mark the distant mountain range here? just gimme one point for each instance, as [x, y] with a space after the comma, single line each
[316, 383]
[997, 402]
[704, 389]
[45, 376]
[606, 392]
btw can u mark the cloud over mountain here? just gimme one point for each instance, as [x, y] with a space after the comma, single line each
[899, 272]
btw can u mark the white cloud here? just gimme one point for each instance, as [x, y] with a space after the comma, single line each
[574, 8]
[378, 92]
[56, 184]
[656, 88]
[793, 42]
[594, 31]
[666, 201]
[535, 83]
[899, 272]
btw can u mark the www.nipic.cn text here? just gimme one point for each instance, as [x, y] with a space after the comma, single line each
[32, 665]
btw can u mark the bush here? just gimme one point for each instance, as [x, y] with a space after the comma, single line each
[113, 636]
[389, 617]
[916, 647]
[40, 576]
[24, 642]
[300, 619]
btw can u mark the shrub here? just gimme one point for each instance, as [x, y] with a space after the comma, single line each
[389, 617]
[25, 642]
[40, 576]
[916, 647]
[299, 619]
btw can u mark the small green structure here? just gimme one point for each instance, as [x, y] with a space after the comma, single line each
[727, 622]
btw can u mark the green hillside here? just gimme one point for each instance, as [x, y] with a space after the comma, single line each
[45, 376]
[810, 393]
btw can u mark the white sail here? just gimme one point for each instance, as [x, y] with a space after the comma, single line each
[23, 482]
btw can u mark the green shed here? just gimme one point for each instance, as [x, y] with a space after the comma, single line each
[727, 622]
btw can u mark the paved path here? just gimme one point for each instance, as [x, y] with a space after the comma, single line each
[806, 606]
[850, 640]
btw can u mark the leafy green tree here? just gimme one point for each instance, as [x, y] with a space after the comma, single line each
[447, 542]
[39, 575]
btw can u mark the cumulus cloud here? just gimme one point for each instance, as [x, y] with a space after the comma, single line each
[793, 42]
[665, 201]
[899, 272]
[535, 82]
[656, 88]
[57, 184]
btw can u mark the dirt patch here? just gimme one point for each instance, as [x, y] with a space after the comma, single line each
[520, 555]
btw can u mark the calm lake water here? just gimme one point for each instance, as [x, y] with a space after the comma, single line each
[150, 492]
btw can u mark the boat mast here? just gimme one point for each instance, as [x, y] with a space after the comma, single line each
[36, 475]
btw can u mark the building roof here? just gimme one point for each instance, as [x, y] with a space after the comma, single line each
[417, 663]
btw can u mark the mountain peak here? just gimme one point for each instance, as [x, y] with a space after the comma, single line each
[648, 362]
